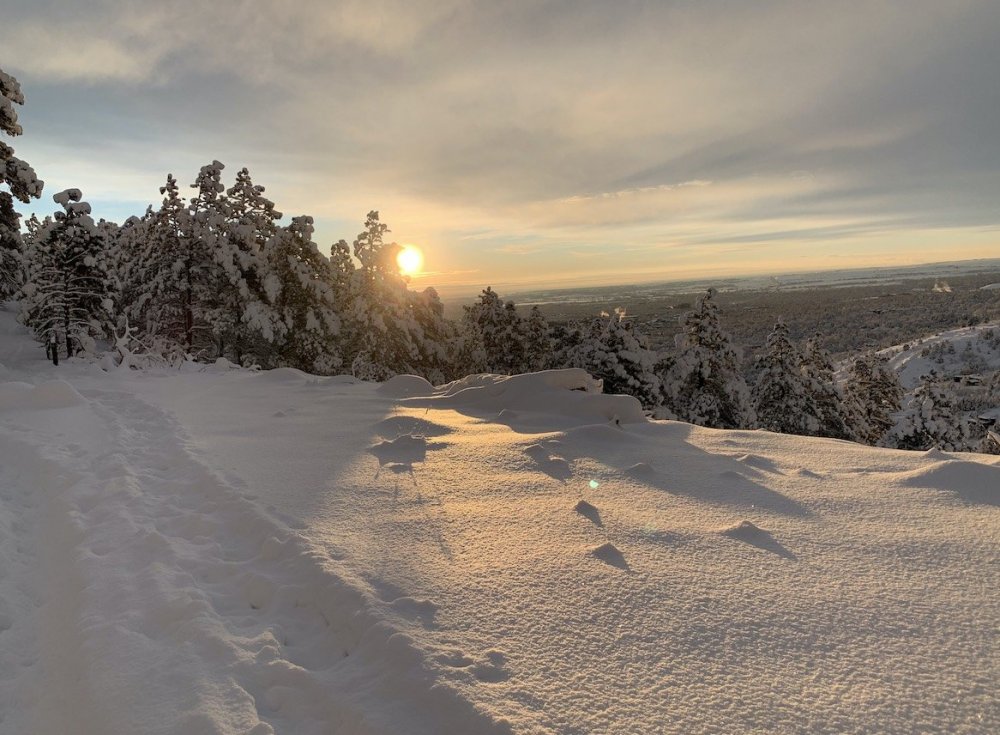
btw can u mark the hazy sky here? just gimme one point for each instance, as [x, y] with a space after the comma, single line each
[540, 143]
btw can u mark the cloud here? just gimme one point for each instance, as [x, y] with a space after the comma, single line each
[506, 131]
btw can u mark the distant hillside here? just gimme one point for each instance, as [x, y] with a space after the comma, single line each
[967, 351]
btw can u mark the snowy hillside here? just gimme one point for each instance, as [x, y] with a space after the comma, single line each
[223, 551]
[957, 352]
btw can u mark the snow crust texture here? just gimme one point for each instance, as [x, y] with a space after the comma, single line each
[236, 552]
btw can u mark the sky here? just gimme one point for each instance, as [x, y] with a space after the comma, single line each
[540, 144]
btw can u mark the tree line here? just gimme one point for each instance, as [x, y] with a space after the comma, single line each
[216, 275]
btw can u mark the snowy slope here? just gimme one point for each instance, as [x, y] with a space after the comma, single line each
[963, 351]
[235, 552]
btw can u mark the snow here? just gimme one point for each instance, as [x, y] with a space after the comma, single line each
[910, 365]
[228, 551]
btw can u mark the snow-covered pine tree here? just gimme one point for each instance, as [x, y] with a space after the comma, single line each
[619, 355]
[298, 292]
[705, 385]
[826, 395]
[167, 287]
[10, 248]
[931, 420]
[437, 337]
[380, 319]
[873, 395]
[493, 336]
[781, 395]
[66, 293]
[341, 275]
[22, 184]
[247, 328]
[537, 341]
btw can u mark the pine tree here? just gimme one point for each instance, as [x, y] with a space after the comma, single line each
[826, 395]
[494, 336]
[781, 394]
[298, 292]
[437, 337]
[620, 356]
[166, 288]
[10, 248]
[246, 326]
[931, 420]
[66, 296]
[381, 323]
[22, 184]
[873, 395]
[538, 345]
[705, 385]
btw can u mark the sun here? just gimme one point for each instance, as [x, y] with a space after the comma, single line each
[410, 260]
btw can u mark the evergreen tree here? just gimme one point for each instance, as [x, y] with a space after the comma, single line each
[781, 393]
[10, 248]
[620, 356]
[298, 291]
[66, 296]
[167, 288]
[705, 385]
[873, 396]
[436, 335]
[246, 326]
[826, 395]
[22, 184]
[931, 420]
[494, 336]
[538, 345]
[381, 322]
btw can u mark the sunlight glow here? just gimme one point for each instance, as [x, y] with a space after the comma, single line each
[410, 260]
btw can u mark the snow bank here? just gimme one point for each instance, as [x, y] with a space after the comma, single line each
[972, 482]
[406, 386]
[555, 394]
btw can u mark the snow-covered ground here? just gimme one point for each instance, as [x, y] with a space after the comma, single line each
[233, 552]
[956, 352]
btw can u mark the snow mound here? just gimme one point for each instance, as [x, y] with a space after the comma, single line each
[990, 287]
[221, 365]
[641, 471]
[51, 394]
[406, 386]
[744, 530]
[749, 533]
[971, 481]
[569, 393]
